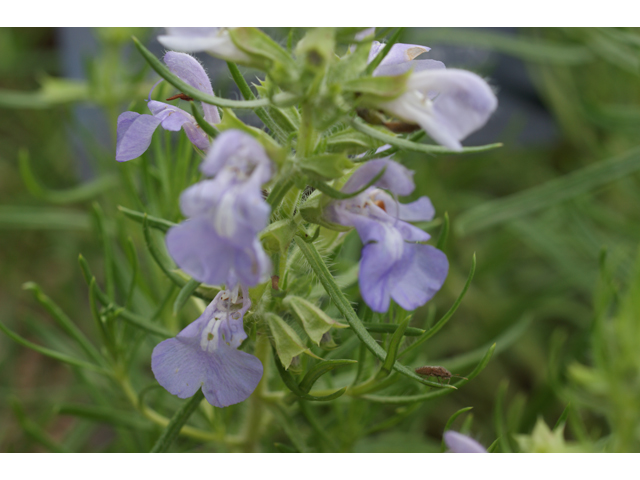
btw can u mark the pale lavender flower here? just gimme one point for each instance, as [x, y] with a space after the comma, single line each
[135, 130]
[218, 243]
[214, 40]
[394, 265]
[205, 354]
[449, 104]
[459, 443]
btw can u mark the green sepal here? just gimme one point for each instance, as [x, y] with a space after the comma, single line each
[266, 55]
[288, 343]
[372, 90]
[313, 208]
[326, 166]
[277, 237]
[316, 50]
[273, 149]
[314, 321]
[351, 142]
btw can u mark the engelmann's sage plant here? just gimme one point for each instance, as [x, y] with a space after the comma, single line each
[251, 229]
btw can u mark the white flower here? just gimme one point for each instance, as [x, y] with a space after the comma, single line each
[448, 104]
[214, 40]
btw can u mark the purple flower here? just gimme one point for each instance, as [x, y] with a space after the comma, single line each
[394, 265]
[135, 130]
[448, 104]
[214, 40]
[218, 243]
[205, 354]
[459, 443]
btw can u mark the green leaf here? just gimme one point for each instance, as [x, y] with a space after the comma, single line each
[178, 420]
[339, 195]
[287, 341]
[65, 322]
[392, 351]
[53, 92]
[61, 357]
[550, 193]
[185, 294]
[154, 222]
[204, 125]
[43, 218]
[407, 399]
[563, 417]
[445, 318]
[352, 143]
[320, 369]
[314, 320]
[292, 385]
[444, 233]
[130, 317]
[34, 430]
[196, 94]
[521, 46]
[391, 328]
[403, 144]
[450, 422]
[80, 193]
[387, 48]
[344, 306]
[108, 415]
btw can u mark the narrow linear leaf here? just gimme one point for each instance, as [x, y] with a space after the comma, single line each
[64, 321]
[43, 218]
[391, 328]
[362, 127]
[130, 317]
[184, 87]
[500, 423]
[292, 385]
[337, 194]
[563, 417]
[176, 423]
[321, 432]
[61, 357]
[185, 294]
[450, 422]
[204, 125]
[387, 48]
[284, 420]
[107, 415]
[550, 193]
[320, 369]
[445, 318]
[343, 305]
[154, 222]
[407, 399]
[392, 352]
[35, 431]
[444, 232]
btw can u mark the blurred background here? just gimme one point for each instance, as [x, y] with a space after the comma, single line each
[546, 215]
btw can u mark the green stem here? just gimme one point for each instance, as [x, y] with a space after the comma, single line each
[253, 427]
[278, 192]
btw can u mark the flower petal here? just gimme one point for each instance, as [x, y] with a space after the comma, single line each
[189, 69]
[240, 151]
[396, 178]
[214, 40]
[418, 276]
[198, 250]
[134, 135]
[464, 103]
[378, 263]
[415, 65]
[459, 443]
[419, 211]
[179, 366]
[174, 118]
